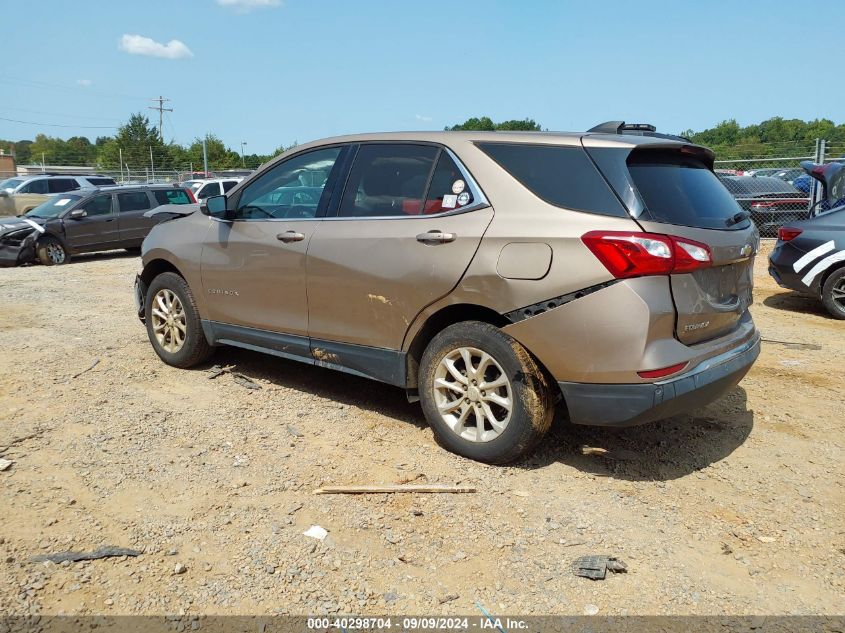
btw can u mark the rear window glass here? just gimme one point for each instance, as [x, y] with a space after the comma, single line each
[135, 201]
[100, 181]
[60, 185]
[171, 196]
[562, 176]
[680, 189]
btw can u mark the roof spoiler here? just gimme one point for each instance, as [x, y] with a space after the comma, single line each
[634, 129]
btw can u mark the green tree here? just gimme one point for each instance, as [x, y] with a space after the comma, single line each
[219, 156]
[486, 124]
[136, 139]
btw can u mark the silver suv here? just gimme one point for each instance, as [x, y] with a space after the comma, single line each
[488, 274]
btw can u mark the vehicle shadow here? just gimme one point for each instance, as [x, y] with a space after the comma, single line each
[335, 386]
[657, 451]
[795, 302]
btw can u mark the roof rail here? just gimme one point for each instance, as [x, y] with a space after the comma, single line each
[634, 129]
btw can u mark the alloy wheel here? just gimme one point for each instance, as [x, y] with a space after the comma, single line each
[56, 253]
[837, 293]
[170, 323]
[473, 395]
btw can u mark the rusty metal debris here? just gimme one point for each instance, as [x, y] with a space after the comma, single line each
[596, 566]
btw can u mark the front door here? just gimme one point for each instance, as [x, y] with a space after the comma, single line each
[97, 230]
[406, 228]
[253, 266]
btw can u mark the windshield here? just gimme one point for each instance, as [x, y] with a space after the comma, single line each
[193, 185]
[53, 207]
[10, 183]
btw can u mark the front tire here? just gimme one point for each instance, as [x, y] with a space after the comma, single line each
[483, 394]
[51, 252]
[833, 294]
[173, 322]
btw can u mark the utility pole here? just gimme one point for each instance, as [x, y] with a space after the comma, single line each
[243, 162]
[204, 159]
[161, 110]
[152, 166]
[120, 153]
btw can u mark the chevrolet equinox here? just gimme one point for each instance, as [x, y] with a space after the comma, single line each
[488, 274]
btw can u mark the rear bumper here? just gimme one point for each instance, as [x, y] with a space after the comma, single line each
[631, 404]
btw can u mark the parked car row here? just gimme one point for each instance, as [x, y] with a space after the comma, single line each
[770, 201]
[85, 220]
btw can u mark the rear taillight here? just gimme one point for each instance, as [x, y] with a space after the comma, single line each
[660, 373]
[786, 233]
[191, 196]
[641, 254]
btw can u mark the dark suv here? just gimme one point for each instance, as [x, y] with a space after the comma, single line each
[84, 221]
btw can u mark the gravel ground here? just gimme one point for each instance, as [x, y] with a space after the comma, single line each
[735, 509]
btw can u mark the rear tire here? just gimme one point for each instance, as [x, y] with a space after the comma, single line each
[474, 374]
[173, 322]
[51, 252]
[833, 294]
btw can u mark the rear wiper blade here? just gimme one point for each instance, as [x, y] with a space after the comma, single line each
[736, 218]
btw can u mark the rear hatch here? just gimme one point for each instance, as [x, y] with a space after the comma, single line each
[670, 189]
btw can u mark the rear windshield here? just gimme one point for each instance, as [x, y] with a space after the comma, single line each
[171, 196]
[680, 189]
[100, 180]
[560, 175]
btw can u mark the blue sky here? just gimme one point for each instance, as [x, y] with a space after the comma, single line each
[296, 70]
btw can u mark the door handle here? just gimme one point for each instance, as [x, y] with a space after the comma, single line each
[290, 236]
[436, 237]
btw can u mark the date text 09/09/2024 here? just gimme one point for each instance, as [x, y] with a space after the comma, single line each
[416, 623]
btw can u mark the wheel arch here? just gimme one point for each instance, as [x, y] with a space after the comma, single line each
[826, 275]
[435, 323]
[155, 267]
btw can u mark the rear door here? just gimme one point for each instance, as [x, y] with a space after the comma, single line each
[676, 193]
[133, 225]
[399, 240]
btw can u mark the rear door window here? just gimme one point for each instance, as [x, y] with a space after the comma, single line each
[388, 179]
[448, 190]
[60, 185]
[171, 196]
[680, 189]
[560, 175]
[133, 201]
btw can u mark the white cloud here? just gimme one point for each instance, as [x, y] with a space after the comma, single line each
[420, 117]
[140, 45]
[84, 82]
[245, 6]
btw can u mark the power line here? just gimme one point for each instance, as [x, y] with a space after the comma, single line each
[87, 127]
[68, 116]
[29, 83]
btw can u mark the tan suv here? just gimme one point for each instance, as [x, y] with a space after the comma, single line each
[487, 274]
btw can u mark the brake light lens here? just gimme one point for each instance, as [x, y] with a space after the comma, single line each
[628, 255]
[660, 373]
[786, 233]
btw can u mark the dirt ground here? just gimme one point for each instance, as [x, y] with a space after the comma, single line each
[734, 509]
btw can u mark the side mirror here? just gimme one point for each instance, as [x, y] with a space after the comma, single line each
[77, 214]
[215, 206]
